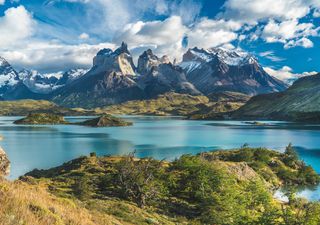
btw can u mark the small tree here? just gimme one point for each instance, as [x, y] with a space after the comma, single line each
[291, 152]
[291, 156]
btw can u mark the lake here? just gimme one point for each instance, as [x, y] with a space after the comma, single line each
[42, 147]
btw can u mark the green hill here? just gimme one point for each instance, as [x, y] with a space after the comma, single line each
[25, 107]
[177, 105]
[301, 102]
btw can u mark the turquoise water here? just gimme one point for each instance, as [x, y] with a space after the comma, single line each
[43, 147]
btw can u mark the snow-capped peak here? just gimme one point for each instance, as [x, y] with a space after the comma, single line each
[8, 76]
[230, 57]
[3, 62]
[48, 82]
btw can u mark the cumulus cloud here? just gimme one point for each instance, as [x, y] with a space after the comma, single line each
[286, 73]
[211, 33]
[53, 56]
[290, 32]
[165, 37]
[16, 25]
[281, 19]
[162, 36]
[251, 11]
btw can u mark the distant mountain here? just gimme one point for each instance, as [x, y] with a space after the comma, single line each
[159, 76]
[300, 102]
[112, 79]
[11, 86]
[8, 77]
[218, 70]
[46, 83]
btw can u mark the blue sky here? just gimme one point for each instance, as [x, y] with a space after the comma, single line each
[54, 35]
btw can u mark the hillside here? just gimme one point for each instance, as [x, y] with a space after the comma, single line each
[224, 187]
[173, 104]
[301, 102]
[25, 107]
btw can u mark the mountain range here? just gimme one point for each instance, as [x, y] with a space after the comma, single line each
[114, 78]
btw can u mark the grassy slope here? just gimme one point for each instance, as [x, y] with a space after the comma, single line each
[42, 118]
[233, 171]
[303, 97]
[172, 104]
[24, 107]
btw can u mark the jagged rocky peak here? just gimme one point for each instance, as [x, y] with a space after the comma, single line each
[230, 57]
[3, 62]
[118, 60]
[4, 164]
[8, 76]
[148, 60]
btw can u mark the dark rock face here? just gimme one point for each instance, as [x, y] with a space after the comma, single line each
[159, 75]
[4, 164]
[219, 70]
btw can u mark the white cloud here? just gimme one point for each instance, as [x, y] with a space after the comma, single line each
[251, 11]
[53, 56]
[271, 56]
[303, 42]
[84, 36]
[2, 2]
[211, 33]
[282, 18]
[165, 37]
[16, 25]
[290, 32]
[286, 73]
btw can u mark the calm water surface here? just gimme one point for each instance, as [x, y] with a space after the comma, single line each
[43, 147]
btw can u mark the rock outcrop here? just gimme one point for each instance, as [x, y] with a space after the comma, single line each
[4, 164]
[105, 121]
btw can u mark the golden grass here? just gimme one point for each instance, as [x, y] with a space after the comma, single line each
[22, 203]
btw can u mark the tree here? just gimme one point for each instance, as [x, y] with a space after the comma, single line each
[291, 156]
[137, 179]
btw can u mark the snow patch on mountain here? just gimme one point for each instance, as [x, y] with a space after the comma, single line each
[48, 82]
[230, 57]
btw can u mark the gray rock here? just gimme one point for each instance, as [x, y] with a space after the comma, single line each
[4, 163]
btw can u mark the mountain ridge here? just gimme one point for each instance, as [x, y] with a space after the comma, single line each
[114, 78]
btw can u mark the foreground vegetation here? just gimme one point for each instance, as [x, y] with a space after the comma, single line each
[224, 187]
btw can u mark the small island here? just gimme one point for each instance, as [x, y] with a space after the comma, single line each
[106, 120]
[41, 119]
[256, 123]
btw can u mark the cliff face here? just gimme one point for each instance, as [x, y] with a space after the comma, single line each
[4, 163]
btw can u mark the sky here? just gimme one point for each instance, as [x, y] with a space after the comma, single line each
[56, 35]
